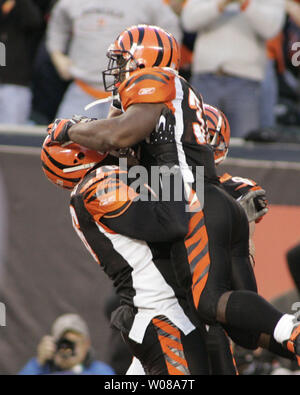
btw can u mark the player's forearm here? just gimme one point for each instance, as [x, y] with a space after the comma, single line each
[97, 135]
[121, 131]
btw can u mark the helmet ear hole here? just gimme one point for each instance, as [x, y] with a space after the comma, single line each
[80, 155]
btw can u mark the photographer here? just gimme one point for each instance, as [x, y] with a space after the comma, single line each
[66, 351]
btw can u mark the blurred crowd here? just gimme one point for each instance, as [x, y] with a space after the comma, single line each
[240, 54]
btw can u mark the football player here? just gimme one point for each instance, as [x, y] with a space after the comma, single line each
[165, 115]
[247, 192]
[104, 206]
[252, 198]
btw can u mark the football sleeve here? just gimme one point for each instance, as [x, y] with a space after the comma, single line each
[152, 218]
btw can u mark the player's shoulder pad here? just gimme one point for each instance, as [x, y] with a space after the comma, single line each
[148, 85]
[239, 182]
[238, 186]
[106, 193]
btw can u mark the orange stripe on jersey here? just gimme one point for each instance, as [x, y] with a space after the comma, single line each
[198, 255]
[200, 268]
[108, 196]
[201, 243]
[100, 175]
[170, 341]
[198, 289]
[167, 327]
[196, 218]
[225, 177]
[174, 371]
[119, 213]
[148, 85]
[193, 239]
[170, 348]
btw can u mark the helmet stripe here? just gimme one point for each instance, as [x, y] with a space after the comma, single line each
[171, 55]
[160, 50]
[122, 45]
[149, 77]
[75, 180]
[59, 165]
[130, 38]
[141, 35]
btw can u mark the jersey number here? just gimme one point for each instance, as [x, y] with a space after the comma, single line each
[199, 128]
[76, 226]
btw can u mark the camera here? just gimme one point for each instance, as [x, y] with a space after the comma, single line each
[66, 348]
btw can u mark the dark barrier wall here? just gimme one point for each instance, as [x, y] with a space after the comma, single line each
[47, 271]
[282, 181]
[280, 229]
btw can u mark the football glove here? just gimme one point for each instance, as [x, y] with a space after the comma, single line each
[59, 129]
[255, 204]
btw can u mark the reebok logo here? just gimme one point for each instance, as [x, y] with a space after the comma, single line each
[146, 91]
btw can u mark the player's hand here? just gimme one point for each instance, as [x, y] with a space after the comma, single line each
[255, 204]
[59, 129]
[46, 350]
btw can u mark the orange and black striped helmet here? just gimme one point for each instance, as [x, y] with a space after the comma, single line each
[140, 46]
[219, 132]
[66, 166]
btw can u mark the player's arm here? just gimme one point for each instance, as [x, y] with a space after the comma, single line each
[114, 112]
[105, 135]
[156, 222]
[153, 221]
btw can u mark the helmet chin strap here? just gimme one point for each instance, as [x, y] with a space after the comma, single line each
[100, 101]
[217, 132]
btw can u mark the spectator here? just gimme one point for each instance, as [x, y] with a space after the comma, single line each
[18, 20]
[79, 34]
[66, 351]
[293, 10]
[48, 87]
[277, 68]
[229, 55]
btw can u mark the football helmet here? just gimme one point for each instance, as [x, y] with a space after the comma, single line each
[66, 166]
[139, 46]
[219, 132]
